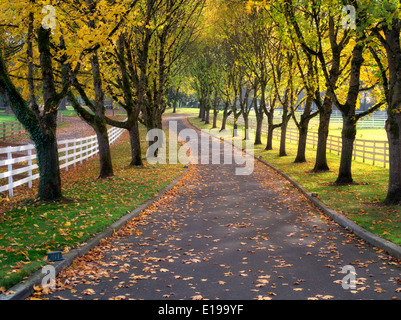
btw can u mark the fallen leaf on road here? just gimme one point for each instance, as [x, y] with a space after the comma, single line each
[87, 292]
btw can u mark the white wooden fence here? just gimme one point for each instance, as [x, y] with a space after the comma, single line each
[19, 165]
[367, 151]
[14, 129]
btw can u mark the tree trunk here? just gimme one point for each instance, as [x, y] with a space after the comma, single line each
[207, 115]
[392, 88]
[246, 125]
[48, 159]
[323, 132]
[285, 118]
[282, 152]
[136, 155]
[216, 102]
[303, 127]
[270, 120]
[223, 123]
[106, 166]
[303, 135]
[201, 110]
[215, 113]
[175, 100]
[393, 129]
[270, 129]
[49, 170]
[225, 116]
[258, 131]
[348, 138]
[269, 144]
[100, 126]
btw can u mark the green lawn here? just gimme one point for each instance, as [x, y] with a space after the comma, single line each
[378, 134]
[32, 229]
[6, 118]
[361, 202]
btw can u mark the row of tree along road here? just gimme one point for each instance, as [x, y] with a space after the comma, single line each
[127, 50]
[248, 55]
[261, 56]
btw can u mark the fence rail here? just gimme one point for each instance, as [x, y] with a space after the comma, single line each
[336, 121]
[373, 122]
[368, 151]
[18, 164]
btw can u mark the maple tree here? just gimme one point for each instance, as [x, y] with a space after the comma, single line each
[55, 53]
[74, 56]
[345, 75]
[386, 51]
[254, 56]
[170, 31]
[254, 50]
[22, 23]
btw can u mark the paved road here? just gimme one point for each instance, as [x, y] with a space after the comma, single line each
[218, 235]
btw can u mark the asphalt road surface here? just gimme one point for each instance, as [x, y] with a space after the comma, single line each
[218, 235]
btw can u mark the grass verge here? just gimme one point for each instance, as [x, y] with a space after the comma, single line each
[361, 202]
[32, 229]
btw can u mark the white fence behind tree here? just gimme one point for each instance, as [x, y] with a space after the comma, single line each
[367, 151]
[9, 130]
[336, 120]
[19, 165]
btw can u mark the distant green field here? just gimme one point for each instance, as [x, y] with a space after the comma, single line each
[7, 118]
[378, 134]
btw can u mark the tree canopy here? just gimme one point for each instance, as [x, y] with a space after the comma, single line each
[301, 57]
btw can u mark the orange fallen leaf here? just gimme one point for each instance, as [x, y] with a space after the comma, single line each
[87, 292]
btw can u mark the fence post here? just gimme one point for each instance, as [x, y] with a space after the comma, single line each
[81, 151]
[374, 152]
[4, 131]
[75, 153]
[10, 178]
[66, 156]
[30, 170]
